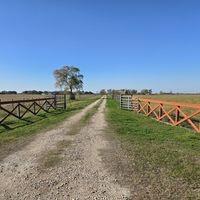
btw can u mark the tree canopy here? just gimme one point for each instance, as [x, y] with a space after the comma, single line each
[69, 78]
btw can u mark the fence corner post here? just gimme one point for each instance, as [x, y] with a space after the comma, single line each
[65, 101]
[55, 101]
[177, 117]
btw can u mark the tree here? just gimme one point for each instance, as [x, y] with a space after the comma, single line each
[161, 92]
[88, 92]
[150, 92]
[134, 91]
[127, 92]
[32, 92]
[69, 79]
[146, 91]
[109, 91]
[8, 92]
[103, 92]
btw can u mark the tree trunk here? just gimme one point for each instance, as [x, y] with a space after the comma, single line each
[72, 95]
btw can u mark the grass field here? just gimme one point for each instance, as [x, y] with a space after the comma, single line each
[10, 97]
[165, 159]
[177, 98]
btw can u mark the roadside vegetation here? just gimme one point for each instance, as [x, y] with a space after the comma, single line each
[165, 159]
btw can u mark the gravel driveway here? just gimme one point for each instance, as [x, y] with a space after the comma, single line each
[80, 175]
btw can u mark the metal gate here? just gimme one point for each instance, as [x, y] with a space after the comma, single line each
[126, 102]
[61, 101]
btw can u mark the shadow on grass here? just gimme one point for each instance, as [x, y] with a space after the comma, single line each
[12, 124]
[6, 127]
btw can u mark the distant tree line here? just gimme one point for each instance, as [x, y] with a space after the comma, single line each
[32, 92]
[8, 92]
[44, 92]
[141, 92]
[86, 92]
[26, 92]
[127, 91]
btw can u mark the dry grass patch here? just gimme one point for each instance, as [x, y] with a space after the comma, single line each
[54, 156]
[86, 119]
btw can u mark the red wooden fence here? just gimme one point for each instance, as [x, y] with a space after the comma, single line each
[175, 113]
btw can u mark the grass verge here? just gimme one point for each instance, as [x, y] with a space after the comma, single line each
[158, 152]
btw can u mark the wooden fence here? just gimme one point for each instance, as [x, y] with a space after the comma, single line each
[19, 108]
[174, 113]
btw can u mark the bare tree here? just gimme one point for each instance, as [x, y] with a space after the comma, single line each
[69, 79]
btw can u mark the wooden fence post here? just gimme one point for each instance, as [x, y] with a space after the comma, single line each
[177, 114]
[148, 108]
[161, 111]
[65, 101]
[12, 105]
[19, 111]
[120, 100]
[55, 101]
[139, 107]
[197, 125]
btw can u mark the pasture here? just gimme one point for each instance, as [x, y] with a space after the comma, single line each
[185, 98]
[162, 156]
[10, 97]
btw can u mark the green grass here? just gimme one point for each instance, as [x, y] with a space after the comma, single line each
[53, 157]
[85, 119]
[14, 129]
[90, 114]
[154, 146]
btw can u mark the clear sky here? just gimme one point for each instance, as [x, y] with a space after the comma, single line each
[116, 43]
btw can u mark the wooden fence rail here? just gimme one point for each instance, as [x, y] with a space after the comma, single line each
[19, 108]
[177, 114]
[174, 113]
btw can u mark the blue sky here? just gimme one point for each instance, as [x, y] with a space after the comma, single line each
[116, 43]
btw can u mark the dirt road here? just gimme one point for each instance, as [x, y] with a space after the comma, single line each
[80, 172]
